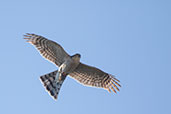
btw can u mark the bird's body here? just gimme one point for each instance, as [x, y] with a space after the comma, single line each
[69, 65]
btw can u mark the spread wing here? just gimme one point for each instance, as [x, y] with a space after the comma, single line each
[92, 76]
[47, 48]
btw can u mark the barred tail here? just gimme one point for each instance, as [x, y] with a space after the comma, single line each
[53, 87]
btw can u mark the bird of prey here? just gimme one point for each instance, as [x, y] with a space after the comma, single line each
[69, 66]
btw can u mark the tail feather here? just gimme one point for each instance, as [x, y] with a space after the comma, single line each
[53, 87]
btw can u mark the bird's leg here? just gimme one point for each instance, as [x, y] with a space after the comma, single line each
[58, 75]
[57, 82]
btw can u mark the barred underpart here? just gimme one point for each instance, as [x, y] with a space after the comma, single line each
[50, 85]
[50, 50]
[91, 76]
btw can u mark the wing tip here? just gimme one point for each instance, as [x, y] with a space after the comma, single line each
[113, 84]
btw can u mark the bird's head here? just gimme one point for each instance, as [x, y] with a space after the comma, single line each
[76, 57]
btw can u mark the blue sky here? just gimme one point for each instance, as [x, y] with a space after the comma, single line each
[127, 38]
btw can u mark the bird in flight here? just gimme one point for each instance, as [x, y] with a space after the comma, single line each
[69, 66]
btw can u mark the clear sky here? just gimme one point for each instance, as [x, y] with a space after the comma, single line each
[127, 38]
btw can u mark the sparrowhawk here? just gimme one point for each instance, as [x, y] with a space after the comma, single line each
[69, 66]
